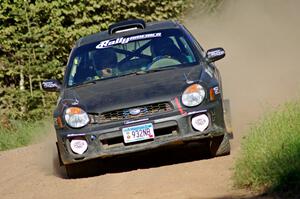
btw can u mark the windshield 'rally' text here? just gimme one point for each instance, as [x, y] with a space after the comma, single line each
[122, 40]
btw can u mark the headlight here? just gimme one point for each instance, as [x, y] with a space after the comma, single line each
[76, 117]
[193, 95]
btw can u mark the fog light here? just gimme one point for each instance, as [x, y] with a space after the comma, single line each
[200, 122]
[78, 145]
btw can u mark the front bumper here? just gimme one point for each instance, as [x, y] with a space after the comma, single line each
[169, 129]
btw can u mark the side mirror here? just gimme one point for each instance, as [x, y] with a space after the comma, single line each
[215, 54]
[51, 85]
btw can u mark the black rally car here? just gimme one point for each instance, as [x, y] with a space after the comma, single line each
[135, 87]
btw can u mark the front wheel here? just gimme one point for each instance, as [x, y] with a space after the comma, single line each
[219, 146]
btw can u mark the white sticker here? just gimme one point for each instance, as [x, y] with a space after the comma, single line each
[79, 146]
[122, 40]
[49, 85]
[215, 53]
[200, 122]
[216, 90]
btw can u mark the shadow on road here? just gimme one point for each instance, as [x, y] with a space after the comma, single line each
[144, 160]
[156, 158]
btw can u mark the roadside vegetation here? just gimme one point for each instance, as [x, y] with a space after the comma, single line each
[17, 133]
[270, 154]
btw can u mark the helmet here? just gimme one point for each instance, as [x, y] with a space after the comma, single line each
[105, 62]
[105, 58]
[164, 47]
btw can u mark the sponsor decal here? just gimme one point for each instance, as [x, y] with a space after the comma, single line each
[216, 90]
[49, 85]
[215, 53]
[125, 40]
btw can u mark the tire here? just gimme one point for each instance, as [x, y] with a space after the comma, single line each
[220, 146]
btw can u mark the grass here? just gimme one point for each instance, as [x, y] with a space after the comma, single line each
[270, 155]
[18, 133]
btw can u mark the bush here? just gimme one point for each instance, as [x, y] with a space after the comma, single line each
[270, 156]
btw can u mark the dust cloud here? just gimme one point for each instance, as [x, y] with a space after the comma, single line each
[262, 42]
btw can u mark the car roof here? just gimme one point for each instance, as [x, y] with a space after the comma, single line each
[104, 35]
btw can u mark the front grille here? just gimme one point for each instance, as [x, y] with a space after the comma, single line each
[124, 114]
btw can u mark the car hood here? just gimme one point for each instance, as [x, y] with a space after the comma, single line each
[133, 90]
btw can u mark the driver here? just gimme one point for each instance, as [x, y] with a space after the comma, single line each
[105, 62]
[165, 46]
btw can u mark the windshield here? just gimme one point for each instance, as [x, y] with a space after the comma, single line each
[137, 54]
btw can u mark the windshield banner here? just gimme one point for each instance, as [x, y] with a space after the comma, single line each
[122, 40]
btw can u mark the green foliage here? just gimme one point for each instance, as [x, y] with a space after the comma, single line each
[20, 133]
[36, 37]
[270, 157]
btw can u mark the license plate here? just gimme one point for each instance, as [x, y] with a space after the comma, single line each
[138, 133]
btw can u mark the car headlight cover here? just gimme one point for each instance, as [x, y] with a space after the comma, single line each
[193, 95]
[200, 122]
[78, 145]
[76, 117]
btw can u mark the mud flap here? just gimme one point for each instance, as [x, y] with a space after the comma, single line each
[220, 146]
[227, 117]
[58, 154]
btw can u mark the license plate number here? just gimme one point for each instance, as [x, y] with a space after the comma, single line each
[138, 133]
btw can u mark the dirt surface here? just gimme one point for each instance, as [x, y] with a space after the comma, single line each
[260, 71]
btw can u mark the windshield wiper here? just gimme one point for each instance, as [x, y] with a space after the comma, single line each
[92, 81]
[85, 83]
[126, 74]
[155, 70]
[141, 72]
